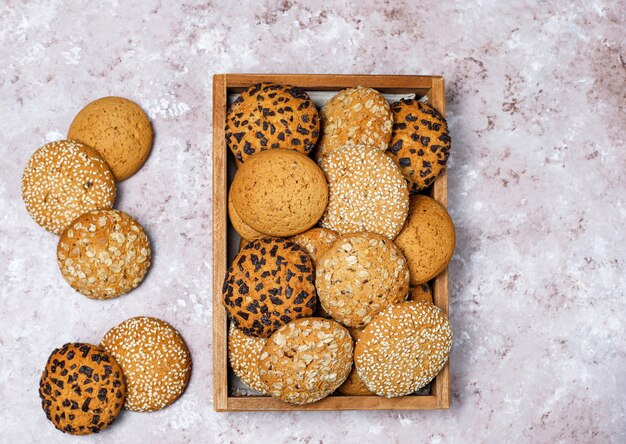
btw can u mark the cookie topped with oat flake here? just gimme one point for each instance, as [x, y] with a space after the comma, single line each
[315, 241]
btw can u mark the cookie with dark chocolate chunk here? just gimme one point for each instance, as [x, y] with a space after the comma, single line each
[82, 388]
[269, 115]
[269, 284]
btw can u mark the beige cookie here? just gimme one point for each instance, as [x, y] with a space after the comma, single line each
[315, 241]
[420, 293]
[63, 180]
[243, 355]
[279, 192]
[244, 230]
[360, 275]
[367, 192]
[119, 130]
[306, 360]
[427, 239]
[354, 385]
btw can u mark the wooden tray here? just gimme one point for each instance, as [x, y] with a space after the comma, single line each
[223, 167]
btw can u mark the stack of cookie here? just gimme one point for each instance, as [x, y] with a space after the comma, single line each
[69, 188]
[329, 291]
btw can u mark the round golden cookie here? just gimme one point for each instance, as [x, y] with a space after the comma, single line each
[119, 130]
[82, 389]
[244, 230]
[306, 360]
[268, 284]
[360, 275]
[354, 385]
[279, 192]
[427, 239]
[367, 192]
[63, 180]
[155, 360]
[420, 142]
[355, 116]
[315, 241]
[104, 254]
[269, 115]
[420, 293]
[403, 348]
[243, 355]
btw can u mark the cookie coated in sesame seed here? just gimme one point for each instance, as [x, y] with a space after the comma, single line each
[243, 229]
[354, 385]
[367, 192]
[427, 239]
[269, 115]
[279, 192]
[306, 360]
[403, 348]
[269, 284]
[63, 180]
[82, 388]
[243, 355]
[360, 275]
[104, 254]
[420, 142]
[355, 116]
[155, 360]
[420, 293]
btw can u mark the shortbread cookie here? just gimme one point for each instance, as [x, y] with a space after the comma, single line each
[244, 230]
[81, 389]
[269, 115]
[119, 130]
[360, 275]
[355, 116]
[63, 180]
[315, 241]
[104, 254]
[354, 385]
[420, 141]
[279, 192]
[420, 293]
[403, 348]
[243, 355]
[427, 239]
[306, 360]
[269, 284]
[155, 360]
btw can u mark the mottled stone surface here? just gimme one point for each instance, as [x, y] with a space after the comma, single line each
[536, 106]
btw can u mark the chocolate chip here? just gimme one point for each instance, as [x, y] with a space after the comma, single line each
[405, 161]
[410, 118]
[396, 146]
[102, 394]
[85, 370]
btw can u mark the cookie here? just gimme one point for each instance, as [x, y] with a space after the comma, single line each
[155, 360]
[315, 241]
[420, 142]
[420, 293]
[360, 275]
[367, 192]
[82, 389]
[244, 230]
[403, 348]
[243, 355]
[279, 192]
[306, 360]
[63, 180]
[269, 115]
[355, 116]
[269, 284]
[427, 240]
[354, 385]
[119, 130]
[104, 254]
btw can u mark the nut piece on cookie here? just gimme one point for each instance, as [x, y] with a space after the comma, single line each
[360, 275]
[243, 356]
[269, 115]
[306, 360]
[269, 284]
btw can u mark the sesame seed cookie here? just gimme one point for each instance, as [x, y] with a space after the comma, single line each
[269, 284]
[420, 293]
[427, 239]
[306, 360]
[243, 355]
[63, 180]
[403, 348]
[360, 275]
[155, 360]
[104, 254]
[279, 192]
[81, 389]
[354, 385]
[243, 229]
[420, 141]
[315, 241]
[119, 130]
[269, 115]
[355, 116]
[367, 192]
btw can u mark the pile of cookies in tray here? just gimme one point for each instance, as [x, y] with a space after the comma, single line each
[330, 289]
[69, 188]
